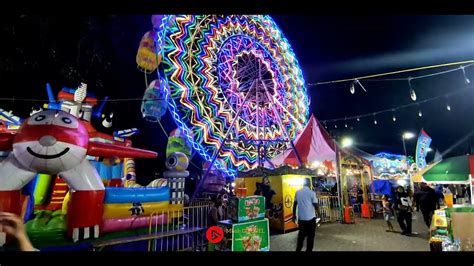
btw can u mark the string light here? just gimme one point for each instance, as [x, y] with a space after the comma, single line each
[420, 114]
[335, 126]
[412, 91]
[394, 109]
[375, 120]
[464, 74]
[448, 107]
[394, 118]
[352, 88]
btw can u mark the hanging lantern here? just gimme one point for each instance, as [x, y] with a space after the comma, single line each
[412, 91]
[147, 59]
[156, 21]
[465, 77]
[154, 103]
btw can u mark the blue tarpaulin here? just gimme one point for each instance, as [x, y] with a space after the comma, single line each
[382, 187]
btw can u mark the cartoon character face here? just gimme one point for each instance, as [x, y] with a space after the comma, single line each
[50, 142]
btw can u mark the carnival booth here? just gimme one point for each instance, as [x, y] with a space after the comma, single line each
[278, 187]
[313, 157]
[389, 171]
[451, 227]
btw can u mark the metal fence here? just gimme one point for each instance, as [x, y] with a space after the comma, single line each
[329, 208]
[179, 230]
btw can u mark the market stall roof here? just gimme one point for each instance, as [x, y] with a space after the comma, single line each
[313, 144]
[450, 170]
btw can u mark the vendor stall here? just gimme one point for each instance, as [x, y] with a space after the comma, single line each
[279, 191]
[451, 228]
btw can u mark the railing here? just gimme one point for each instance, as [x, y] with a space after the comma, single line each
[176, 229]
[329, 208]
[180, 230]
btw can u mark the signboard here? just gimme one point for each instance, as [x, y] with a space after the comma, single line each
[422, 147]
[248, 236]
[247, 208]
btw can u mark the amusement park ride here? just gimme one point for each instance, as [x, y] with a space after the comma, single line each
[231, 83]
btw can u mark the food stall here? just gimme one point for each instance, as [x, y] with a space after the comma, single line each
[283, 184]
[451, 228]
[247, 229]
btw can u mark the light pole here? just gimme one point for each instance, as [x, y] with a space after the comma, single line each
[407, 135]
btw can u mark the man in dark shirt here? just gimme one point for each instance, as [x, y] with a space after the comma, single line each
[427, 200]
[403, 207]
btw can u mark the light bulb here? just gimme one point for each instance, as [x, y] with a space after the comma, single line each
[448, 107]
[352, 88]
[465, 77]
[413, 94]
[375, 122]
[358, 119]
[335, 126]
[345, 125]
[394, 118]
[420, 114]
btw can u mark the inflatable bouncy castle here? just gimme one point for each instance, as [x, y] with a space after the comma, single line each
[68, 181]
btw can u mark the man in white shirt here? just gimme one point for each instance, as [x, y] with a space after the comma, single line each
[304, 207]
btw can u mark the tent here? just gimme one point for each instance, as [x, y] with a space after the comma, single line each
[454, 170]
[313, 145]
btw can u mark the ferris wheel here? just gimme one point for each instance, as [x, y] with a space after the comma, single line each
[235, 87]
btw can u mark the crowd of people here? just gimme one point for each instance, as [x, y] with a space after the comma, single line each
[425, 200]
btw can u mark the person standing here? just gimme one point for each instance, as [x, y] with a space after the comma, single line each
[387, 212]
[404, 210]
[426, 200]
[304, 207]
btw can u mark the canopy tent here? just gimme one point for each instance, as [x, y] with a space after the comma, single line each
[454, 170]
[313, 145]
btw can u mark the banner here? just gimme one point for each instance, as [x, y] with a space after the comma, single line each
[422, 147]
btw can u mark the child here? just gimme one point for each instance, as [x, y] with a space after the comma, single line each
[387, 212]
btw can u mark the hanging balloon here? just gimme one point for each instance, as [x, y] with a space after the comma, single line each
[156, 20]
[177, 142]
[147, 59]
[154, 103]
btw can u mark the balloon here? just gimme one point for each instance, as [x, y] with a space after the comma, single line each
[154, 104]
[156, 21]
[147, 59]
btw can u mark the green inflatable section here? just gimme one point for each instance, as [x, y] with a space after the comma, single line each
[177, 144]
[41, 189]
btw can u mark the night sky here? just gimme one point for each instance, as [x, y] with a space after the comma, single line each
[100, 51]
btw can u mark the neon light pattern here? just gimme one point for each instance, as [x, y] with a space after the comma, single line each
[221, 70]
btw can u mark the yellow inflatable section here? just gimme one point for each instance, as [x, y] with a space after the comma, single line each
[65, 203]
[123, 210]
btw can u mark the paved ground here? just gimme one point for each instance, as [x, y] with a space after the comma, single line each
[364, 235]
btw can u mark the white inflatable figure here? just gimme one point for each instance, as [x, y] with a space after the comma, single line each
[177, 163]
[55, 142]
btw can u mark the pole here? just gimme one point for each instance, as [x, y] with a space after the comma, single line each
[338, 180]
[404, 147]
